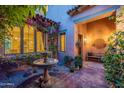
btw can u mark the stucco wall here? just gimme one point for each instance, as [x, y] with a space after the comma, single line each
[100, 29]
[68, 24]
[58, 13]
[80, 29]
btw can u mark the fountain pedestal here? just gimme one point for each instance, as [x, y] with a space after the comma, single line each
[46, 79]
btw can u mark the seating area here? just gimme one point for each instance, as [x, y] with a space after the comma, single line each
[97, 57]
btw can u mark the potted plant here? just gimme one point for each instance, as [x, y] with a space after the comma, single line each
[78, 44]
[72, 68]
[37, 56]
[78, 61]
[68, 61]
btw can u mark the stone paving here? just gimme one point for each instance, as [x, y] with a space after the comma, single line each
[90, 76]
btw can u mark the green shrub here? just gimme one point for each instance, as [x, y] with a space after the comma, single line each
[78, 61]
[37, 56]
[113, 60]
[68, 60]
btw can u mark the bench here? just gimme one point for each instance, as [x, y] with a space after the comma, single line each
[97, 57]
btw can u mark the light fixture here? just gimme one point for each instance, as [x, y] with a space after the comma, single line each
[85, 39]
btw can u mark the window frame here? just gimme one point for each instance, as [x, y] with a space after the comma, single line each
[22, 41]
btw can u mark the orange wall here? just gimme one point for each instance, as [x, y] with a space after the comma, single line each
[100, 29]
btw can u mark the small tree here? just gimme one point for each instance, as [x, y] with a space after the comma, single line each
[114, 60]
[15, 16]
[114, 56]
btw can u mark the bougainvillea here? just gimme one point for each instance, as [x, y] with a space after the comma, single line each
[53, 39]
[50, 27]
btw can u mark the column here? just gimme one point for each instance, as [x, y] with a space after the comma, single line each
[22, 40]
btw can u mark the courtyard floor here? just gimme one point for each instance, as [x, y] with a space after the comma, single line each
[90, 76]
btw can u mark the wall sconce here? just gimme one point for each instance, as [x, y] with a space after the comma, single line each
[85, 40]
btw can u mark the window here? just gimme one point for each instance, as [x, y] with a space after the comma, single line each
[28, 39]
[40, 43]
[62, 42]
[12, 45]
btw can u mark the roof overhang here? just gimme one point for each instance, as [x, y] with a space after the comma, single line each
[97, 15]
[79, 9]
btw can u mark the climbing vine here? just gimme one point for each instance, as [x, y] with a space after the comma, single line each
[53, 39]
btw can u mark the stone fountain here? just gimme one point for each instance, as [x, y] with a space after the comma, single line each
[45, 64]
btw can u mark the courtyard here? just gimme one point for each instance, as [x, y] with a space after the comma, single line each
[68, 46]
[92, 75]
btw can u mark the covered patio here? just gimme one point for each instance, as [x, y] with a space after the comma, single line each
[92, 36]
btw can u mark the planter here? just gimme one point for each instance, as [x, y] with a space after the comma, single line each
[68, 64]
[78, 62]
[80, 66]
[72, 69]
[68, 60]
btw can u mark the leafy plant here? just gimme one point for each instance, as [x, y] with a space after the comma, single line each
[78, 61]
[53, 48]
[37, 56]
[68, 60]
[53, 39]
[15, 15]
[78, 44]
[113, 60]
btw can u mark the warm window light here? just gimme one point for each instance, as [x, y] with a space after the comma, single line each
[16, 38]
[12, 45]
[62, 42]
[28, 39]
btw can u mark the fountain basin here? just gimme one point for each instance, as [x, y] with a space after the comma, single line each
[49, 62]
[46, 79]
